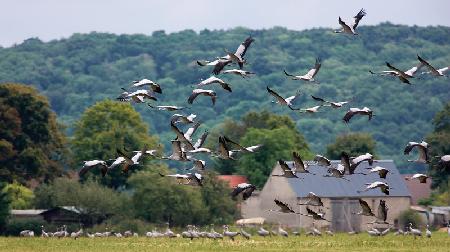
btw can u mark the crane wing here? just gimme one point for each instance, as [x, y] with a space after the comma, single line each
[365, 207]
[298, 162]
[242, 49]
[192, 97]
[191, 131]
[344, 25]
[201, 140]
[276, 95]
[345, 161]
[430, 67]
[358, 18]
[220, 65]
[313, 72]
[348, 116]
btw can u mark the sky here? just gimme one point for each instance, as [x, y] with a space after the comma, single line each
[56, 19]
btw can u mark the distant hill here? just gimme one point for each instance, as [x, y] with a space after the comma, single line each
[76, 72]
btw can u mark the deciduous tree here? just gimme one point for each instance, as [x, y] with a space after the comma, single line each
[105, 127]
[32, 145]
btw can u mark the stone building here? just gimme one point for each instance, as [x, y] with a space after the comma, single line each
[340, 197]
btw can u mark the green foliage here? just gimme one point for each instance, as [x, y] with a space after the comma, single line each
[15, 226]
[216, 197]
[21, 197]
[4, 206]
[410, 216]
[106, 127]
[354, 144]
[92, 67]
[439, 141]
[86, 68]
[31, 143]
[278, 135]
[94, 201]
[160, 200]
[425, 201]
[278, 143]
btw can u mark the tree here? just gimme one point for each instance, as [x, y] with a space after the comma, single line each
[354, 144]
[278, 143]
[32, 145]
[267, 122]
[94, 201]
[439, 141]
[160, 200]
[216, 197]
[84, 68]
[106, 127]
[21, 197]
[4, 206]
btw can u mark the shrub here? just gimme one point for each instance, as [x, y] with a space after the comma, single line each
[410, 216]
[15, 226]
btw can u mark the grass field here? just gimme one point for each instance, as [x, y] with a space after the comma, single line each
[340, 242]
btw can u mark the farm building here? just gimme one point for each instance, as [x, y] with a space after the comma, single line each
[340, 197]
[55, 215]
[233, 180]
[418, 190]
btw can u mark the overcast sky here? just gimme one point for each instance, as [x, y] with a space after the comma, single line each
[54, 19]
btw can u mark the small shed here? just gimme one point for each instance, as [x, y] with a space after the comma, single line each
[62, 215]
[34, 214]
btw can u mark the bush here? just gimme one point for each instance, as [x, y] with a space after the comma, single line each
[410, 216]
[15, 226]
[21, 197]
[4, 207]
[96, 202]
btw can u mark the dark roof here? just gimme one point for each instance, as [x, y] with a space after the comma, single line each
[331, 187]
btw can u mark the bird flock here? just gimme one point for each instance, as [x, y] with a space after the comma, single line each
[186, 147]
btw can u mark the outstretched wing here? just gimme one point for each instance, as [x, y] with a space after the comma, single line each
[201, 140]
[192, 97]
[219, 66]
[242, 49]
[313, 72]
[409, 148]
[290, 75]
[348, 116]
[345, 161]
[430, 67]
[226, 86]
[344, 25]
[237, 190]
[235, 143]
[358, 18]
[365, 207]
[248, 192]
[276, 95]
[318, 98]
[298, 162]
[398, 71]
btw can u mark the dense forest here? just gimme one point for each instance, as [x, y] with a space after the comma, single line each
[77, 72]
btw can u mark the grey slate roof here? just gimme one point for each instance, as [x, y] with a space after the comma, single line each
[331, 187]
